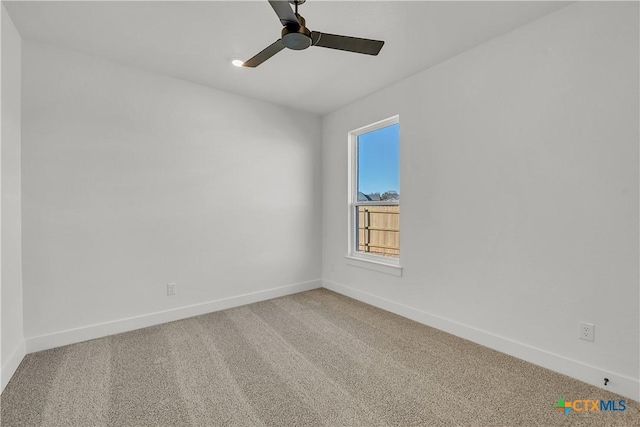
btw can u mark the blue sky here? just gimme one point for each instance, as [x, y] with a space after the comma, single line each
[378, 160]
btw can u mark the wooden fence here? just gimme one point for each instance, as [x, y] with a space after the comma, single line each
[379, 230]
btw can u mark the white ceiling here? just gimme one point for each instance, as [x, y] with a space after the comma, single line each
[196, 41]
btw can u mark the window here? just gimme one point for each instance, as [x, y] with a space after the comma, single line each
[374, 193]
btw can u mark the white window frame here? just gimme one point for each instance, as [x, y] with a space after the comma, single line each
[354, 257]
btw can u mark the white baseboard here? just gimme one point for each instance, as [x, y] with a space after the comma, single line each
[620, 384]
[11, 365]
[89, 332]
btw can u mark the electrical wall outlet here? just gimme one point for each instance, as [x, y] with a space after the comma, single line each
[171, 288]
[587, 331]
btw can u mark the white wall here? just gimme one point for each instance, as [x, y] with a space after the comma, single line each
[12, 346]
[519, 194]
[132, 180]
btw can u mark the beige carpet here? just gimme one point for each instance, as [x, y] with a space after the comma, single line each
[315, 358]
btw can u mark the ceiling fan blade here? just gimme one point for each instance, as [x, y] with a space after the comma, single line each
[284, 11]
[265, 54]
[350, 44]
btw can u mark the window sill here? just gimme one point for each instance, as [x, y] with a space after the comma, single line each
[375, 265]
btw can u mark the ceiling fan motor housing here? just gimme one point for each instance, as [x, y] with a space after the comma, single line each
[296, 37]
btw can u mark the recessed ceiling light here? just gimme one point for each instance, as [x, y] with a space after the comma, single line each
[237, 63]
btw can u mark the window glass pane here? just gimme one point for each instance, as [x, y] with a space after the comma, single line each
[377, 227]
[378, 164]
[378, 230]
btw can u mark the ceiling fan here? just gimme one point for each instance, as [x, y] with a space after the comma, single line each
[296, 36]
